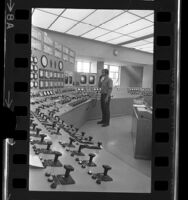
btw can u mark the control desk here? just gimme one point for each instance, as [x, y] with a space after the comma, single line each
[64, 159]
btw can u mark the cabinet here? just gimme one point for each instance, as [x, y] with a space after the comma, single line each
[142, 134]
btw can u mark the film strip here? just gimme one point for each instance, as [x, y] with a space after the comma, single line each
[17, 96]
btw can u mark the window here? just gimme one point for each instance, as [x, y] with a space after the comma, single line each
[86, 67]
[114, 73]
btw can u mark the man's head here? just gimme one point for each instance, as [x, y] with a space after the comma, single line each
[105, 72]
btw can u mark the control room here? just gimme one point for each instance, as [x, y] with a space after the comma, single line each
[91, 85]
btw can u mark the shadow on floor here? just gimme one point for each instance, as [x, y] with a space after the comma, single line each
[117, 140]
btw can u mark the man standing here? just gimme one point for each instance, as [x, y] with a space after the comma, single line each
[106, 85]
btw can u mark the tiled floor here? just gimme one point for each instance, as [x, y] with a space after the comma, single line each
[117, 140]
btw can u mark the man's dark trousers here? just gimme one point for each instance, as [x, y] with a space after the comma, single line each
[105, 107]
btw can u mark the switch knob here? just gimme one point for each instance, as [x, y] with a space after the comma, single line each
[42, 137]
[68, 168]
[71, 141]
[49, 143]
[106, 169]
[57, 154]
[91, 156]
[38, 131]
[34, 126]
[99, 144]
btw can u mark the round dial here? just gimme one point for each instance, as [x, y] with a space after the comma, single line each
[44, 61]
[60, 65]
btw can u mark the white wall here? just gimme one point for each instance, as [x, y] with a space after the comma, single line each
[147, 77]
[94, 50]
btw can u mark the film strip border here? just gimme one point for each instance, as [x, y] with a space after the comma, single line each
[163, 101]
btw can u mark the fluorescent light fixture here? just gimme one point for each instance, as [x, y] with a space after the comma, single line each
[134, 26]
[42, 19]
[135, 44]
[151, 18]
[120, 40]
[62, 24]
[150, 39]
[95, 33]
[119, 21]
[108, 36]
[77, 14]
[79, 29]
[52, 10]
[141, 13]
[143, 32]
[101, 16]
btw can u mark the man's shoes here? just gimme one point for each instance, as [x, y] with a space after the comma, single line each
[104, 125]
[100, 122]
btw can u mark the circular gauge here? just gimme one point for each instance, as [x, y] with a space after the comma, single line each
[31, 84]
[35, 76]
[31, 75]
[35, 59]
[60, 65]
[44, 61]
[35, 67]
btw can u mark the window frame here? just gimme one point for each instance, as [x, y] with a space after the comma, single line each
[107, 66]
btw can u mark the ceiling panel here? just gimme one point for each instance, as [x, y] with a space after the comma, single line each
[120, 40]
[150, 45]
[79, 29]
[77, 14]
[42, 19]
[108, 36]
[119, 21]
[134, 26]
[150, 39]
[142, 32]
[101, 16]
[141, 13]
[139, 43]
[53, 10]
[151, 18]
[62, 25]
[95, 33]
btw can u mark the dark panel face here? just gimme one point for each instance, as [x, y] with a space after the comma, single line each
[91, 79]
[70, 79]
[83, 79]
[60, 65]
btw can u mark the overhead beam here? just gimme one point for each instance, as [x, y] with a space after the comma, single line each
[137, 39]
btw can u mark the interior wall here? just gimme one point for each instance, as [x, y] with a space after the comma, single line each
[100, 51]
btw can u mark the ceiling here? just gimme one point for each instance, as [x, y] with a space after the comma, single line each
[126, 28]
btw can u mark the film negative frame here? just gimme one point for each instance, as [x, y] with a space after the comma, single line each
[165, 91]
